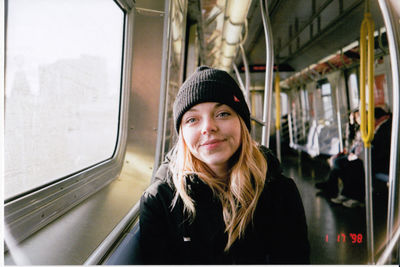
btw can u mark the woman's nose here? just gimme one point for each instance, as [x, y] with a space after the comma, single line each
[209, 126]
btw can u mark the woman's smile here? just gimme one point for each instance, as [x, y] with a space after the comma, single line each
[213, 143]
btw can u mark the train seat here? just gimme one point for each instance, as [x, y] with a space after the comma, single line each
[128, 251]
[382, 177]
[311, 147]
[328, 140]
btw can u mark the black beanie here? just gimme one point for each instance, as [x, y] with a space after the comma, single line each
[210, 85]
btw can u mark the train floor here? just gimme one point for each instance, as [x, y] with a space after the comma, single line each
[337, 234]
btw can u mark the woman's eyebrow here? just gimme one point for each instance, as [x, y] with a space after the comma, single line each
[193, 109]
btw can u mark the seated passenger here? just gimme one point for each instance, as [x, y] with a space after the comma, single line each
[221, 198]
[340, 162]
[351, 171]
[380, 146]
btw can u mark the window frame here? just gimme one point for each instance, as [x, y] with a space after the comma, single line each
[29, 212]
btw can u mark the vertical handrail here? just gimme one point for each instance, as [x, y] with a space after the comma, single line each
[163, 88]
[339, 117]
[269, 62]
[246, 75]
[393, 35]
[339, 121]
[240, 80]
[291, 142]
[278, 115]
[367, 61]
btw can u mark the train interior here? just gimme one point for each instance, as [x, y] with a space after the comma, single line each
[88, 114]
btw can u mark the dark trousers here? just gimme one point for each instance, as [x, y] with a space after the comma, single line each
[352, 175]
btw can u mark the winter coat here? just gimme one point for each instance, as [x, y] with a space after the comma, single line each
[277, 234]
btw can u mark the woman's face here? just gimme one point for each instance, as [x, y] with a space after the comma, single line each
[212, 133]
[357, 117]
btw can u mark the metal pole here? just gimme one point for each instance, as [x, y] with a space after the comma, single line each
[339, 116]
[247, 75]
[385, 257]
[291, 143]
[393, 35]
[239, 78]
[278, 144]
[339, 121]
[269, 61]
[367, 127]
[368, 205]
[163, 89]
[278, 115]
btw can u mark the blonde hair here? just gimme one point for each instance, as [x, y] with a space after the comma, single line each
[238, 194]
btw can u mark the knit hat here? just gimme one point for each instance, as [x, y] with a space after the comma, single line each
[210, 85]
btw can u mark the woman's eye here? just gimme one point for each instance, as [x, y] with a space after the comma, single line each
[190, 120]
[223, 114]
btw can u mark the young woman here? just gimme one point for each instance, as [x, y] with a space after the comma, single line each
[220, 198]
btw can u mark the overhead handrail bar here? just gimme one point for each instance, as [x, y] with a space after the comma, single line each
[367, 131]
[269, 63]
[393, 35]
[278, 115]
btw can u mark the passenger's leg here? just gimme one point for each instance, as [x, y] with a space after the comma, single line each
[353, 181]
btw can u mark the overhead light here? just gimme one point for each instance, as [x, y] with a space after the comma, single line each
[226, 61]
[232, 32]
[236, 14]
[237, 10]
[228, 50]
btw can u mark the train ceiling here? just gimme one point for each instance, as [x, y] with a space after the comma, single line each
[304, 31]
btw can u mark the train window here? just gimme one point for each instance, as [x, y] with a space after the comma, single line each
[62, 88]
[327, 101]
[353, 90]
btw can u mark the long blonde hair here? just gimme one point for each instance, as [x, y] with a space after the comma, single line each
[238, 195]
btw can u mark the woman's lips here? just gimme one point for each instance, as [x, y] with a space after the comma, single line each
[210, 144]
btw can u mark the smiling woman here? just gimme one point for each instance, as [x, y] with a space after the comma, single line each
[217, 203]
[212, 133]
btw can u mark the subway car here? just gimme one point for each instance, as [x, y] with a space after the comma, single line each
[89, 87]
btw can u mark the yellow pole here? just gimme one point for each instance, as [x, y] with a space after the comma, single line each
[278, 115]
[278, 101]
[367, 132]
[367, 29]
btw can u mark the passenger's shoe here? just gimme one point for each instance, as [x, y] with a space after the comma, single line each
[352, 203]
[339, 199]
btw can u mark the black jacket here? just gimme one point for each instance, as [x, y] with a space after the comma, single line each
[278, 234]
